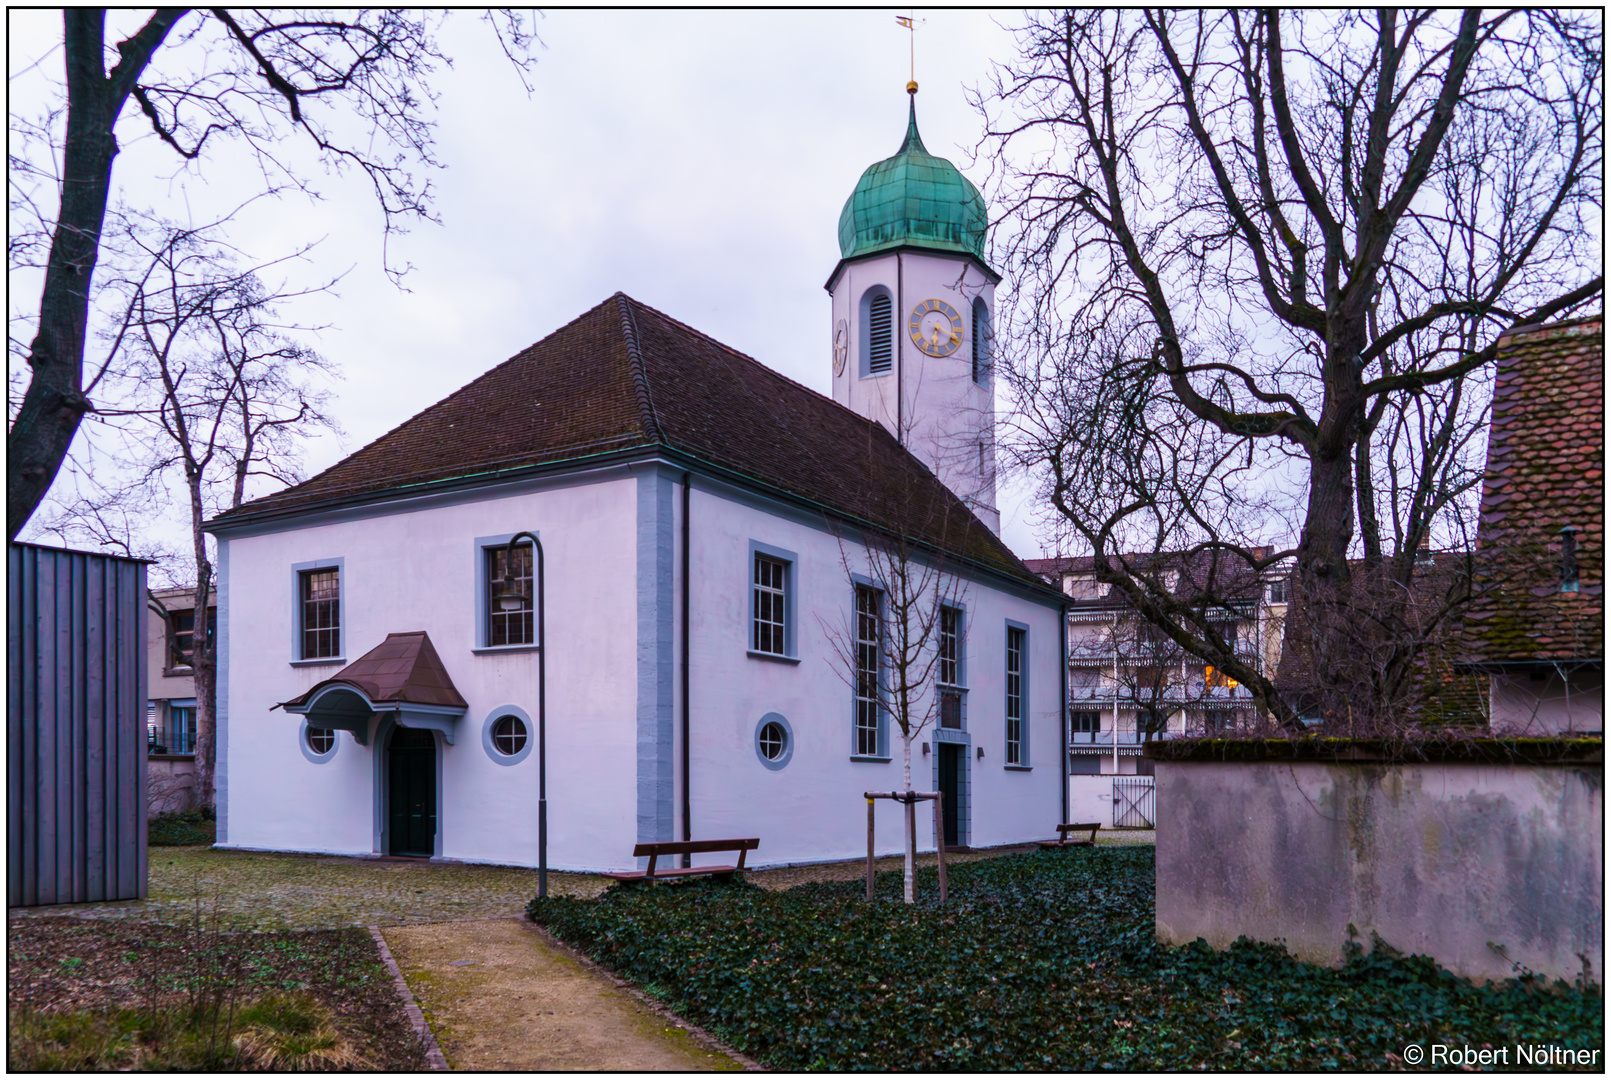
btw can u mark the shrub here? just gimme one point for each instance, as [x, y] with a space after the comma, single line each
[181, 830]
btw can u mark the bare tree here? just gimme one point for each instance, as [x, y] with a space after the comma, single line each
[354, 84]
[897, 649]
[206, 390]
[1262, 260]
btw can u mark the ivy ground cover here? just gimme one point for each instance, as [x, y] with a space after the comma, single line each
[1041, 961]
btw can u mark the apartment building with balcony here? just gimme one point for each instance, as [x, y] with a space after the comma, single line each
[1128, 683]
[170, 711]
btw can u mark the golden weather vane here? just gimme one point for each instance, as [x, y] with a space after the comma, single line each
[910, 23]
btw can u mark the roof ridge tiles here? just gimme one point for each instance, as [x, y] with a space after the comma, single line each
[640, 377]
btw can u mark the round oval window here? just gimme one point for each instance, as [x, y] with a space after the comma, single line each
[509, 735]
[774, 740]
[321, 740]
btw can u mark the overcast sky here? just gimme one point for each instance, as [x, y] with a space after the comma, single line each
[696, 161]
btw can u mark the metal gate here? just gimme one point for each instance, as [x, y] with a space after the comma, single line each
[1134, 804]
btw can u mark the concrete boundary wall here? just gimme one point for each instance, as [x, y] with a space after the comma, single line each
[1490, 869]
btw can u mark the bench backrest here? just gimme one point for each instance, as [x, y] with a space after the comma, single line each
[695, 847]
[1080, 827]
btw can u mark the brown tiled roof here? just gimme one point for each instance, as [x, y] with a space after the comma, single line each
[402, 670]
[625, 377]
[1546, 450]
[1232, 581]
[1438, 692]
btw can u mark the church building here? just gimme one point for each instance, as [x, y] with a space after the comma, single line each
[650, 550]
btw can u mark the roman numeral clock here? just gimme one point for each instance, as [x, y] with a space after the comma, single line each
[935, 328]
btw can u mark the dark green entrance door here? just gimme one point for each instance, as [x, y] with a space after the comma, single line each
[951, 790]
[411, 793]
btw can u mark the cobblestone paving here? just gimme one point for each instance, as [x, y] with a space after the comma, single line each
[272, 891]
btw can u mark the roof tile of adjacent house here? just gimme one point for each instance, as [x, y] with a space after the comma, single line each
[1210, 575]
[624, 376]
[1545, 460]
[1439, 692]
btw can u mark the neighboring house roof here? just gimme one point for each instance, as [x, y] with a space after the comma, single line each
[625, 378]
[402, 670]
[1546, 448]
[1438, 693]
[1234, 583]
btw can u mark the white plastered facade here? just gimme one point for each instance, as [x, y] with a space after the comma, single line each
[613, 556]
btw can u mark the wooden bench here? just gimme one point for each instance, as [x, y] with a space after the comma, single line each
[1063, 831]
[692, 847]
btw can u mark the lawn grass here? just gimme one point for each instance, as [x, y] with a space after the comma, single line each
[1042, 961]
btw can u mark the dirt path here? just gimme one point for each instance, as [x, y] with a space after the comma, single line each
[500, 998]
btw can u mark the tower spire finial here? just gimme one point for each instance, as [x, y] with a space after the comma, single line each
[910, 23]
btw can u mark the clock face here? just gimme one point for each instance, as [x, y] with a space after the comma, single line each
[936, 328]
[841, 346]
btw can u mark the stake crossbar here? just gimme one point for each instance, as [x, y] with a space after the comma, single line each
[908, 798]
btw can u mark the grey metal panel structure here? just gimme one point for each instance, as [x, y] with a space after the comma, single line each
[75, 727]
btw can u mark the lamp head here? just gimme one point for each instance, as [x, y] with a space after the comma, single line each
[512, 596]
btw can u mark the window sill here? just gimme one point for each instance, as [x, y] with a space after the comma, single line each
[776, 657]
[485, 649]
[170, 757]
[178, 673]
[1019, 768]
[870, 759]
[322, 661]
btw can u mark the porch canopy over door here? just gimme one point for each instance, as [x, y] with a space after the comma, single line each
[402, 677]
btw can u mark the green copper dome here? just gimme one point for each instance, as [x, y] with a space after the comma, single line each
[913, 199]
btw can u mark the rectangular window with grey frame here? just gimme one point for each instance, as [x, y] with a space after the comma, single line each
[769, 594]
[1015, 696]
[515, 626]
[869, 639]
[321, 613]
[950, 667]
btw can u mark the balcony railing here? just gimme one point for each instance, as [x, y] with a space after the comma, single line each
[1081, 655]
[1105, 738]
[1179, 695]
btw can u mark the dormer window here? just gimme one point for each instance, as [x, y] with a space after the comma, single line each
[1569, 558]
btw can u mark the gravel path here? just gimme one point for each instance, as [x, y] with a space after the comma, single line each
[501, 997]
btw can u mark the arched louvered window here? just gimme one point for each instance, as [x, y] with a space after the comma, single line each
[981, 340]
[878, 331]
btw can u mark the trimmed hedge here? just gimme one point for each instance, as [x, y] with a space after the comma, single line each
[1042, 961]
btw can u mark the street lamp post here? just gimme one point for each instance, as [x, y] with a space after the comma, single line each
[512, 597]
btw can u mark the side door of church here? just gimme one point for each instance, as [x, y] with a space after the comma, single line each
[411, 794]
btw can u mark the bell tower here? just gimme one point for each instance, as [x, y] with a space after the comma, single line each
[913, 306]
